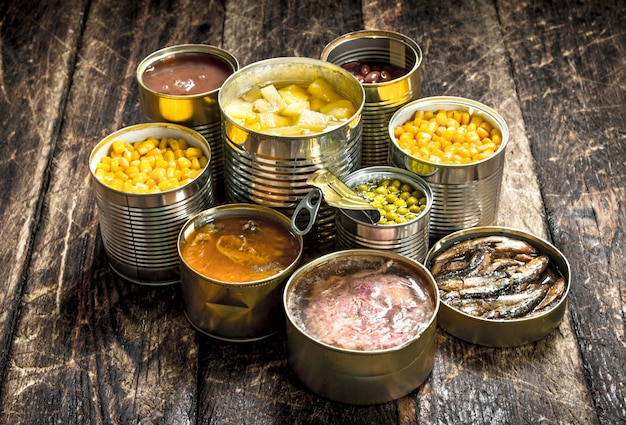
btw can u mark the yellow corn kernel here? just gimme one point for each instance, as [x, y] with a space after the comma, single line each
[118, 147]
[163, 144]
[183, 162]
[193, 152]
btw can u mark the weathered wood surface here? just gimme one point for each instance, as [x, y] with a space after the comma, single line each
[80, 345]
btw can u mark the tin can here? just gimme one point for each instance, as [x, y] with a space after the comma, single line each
[272, 170]
[409, 239]
[239, 311]
[382, 99]
[464, 195]
[502, 332]
[357, 376]
[139, 231]
[199, 111]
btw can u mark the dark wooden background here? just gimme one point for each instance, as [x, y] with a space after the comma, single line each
[78, 345]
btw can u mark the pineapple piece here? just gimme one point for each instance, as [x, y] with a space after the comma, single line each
[290, 130]
[239, 109]
[316, 104]
[273, 120]
[322, 89]
[253, 94]
[341, 109]
[262, 105]
[270, 94]
[313, 121]
[295, 109]
[294, 94]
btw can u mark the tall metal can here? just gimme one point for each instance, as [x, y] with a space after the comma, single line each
[140, 231]
[464, 195]
[272, 170]
[382, 99]
[200, 110]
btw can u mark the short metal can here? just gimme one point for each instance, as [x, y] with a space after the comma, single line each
[382, 99]
[464, 195]
[409, 238]
[199, 111]
[234, 311]
[139, 231]
[354, 375]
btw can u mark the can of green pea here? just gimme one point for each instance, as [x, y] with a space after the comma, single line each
[399, 232]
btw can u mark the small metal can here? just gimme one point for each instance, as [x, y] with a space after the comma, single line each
[198, 111]
[502, 332]
[356, 376]
[234, 311]
[409, 238]
[272, 170]
[139, 231]
[384, 98]
[464, 195]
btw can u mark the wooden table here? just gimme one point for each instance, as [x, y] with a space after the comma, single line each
[80, 345]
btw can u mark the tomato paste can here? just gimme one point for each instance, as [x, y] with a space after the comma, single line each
[234, 311]
[200, 110]
[510, 332]
[354, 375]
[464, 195]
[139, 231]
[272, 170]
[382, 99]
[409, 238]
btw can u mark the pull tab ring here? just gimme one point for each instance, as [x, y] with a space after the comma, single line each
[311, 202]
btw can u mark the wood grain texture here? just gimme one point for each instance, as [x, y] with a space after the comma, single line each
[80, 345]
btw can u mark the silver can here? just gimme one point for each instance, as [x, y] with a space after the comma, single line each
[234, 311]
[272, 170]
[409, 239]
[199, 111]
[356, 375]
[384, 98]
[139, 231]
[464, 195]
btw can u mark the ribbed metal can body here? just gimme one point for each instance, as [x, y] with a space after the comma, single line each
[383, 99]
[199, 112]
[140, 231]
[464, 195]
[273, 170]
[409, 239]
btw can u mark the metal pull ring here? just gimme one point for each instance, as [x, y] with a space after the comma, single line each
[311, 203]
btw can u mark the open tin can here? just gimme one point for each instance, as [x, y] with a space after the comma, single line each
[459, 320]
[189, 68]
[230, 310]
[272, 170]
[464, 195]
[139, 231]
[408, 238]
[382, 99]
[367, 363]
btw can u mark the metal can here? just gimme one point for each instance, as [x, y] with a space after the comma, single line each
[464, 195]
[502, 332]
[234, 311]
[139, 231]
[382, 99]
[409, 239]
[198, 111]
[359, 376]
[272, 170]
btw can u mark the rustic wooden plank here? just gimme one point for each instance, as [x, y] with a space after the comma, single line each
[467, 58]
[91, 347]
[571, 68]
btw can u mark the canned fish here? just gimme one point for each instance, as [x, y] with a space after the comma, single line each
[408, 238]
[464, 195]
[139, 231]
[272, 170]
[373, 48]
[180, 84]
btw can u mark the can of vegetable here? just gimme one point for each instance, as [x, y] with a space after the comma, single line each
[464, 194]
[272, 170]
[180, 84]
[368, 49]
[407, 235]
[139, 230]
